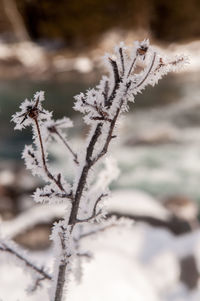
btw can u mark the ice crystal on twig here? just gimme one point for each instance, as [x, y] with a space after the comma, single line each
[130, 70]
[38, 273]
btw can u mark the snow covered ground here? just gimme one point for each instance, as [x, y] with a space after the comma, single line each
[135, 263]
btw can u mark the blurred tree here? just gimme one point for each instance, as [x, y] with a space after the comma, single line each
[176, 20]
[80, 22]
[15, 19]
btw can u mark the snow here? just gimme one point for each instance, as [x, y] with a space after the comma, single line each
[83, 65]
[6, 177]
[139, 263]
[136, 203]
[192, 50]
[31, 217]
[80, 64]
[102, 108]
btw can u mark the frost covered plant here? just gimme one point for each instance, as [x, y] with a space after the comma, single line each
[130, 71]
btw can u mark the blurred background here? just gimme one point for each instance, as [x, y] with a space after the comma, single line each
[57, 46]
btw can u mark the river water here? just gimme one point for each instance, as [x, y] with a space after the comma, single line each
[159, 150]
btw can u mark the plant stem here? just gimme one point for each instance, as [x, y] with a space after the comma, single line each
[48, 173]
[67, 145]
[60, 282]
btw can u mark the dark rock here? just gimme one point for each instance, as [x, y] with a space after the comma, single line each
[189, 273]
[183, 208]
[175, 225]
[36, 238]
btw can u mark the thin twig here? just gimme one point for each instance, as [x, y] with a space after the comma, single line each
[48, 173]
[117, 81]
[94, 213]
[122, 60]
[105, 92]
[33, 157]
[37, 284]
[92, 232]
[59, 195]
[103, 115]
[4, 247]
[109, 136]
[55, 131]
[148, 73]
[84, 174]
[132, 65]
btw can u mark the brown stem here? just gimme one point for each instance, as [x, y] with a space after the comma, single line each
[122, 60]
[84, 174]
[117, 81]
[92, 232]
[149, 71]
[67, 146]
[131, 67]
[48, 173]
[109, 136]
[59, 195]
[105, 92]
[94, 213]
[40, 271]
[75, 207]
[89, 162]
[60, 282]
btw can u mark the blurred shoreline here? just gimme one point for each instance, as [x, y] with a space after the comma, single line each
[31, 61]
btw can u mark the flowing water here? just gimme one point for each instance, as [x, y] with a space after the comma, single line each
[160, 137]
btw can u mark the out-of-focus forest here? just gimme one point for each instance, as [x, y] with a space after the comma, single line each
[81, 22]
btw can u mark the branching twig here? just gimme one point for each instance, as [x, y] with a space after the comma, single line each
[48, 173]
[54, 130]
[59, 195]
[116, 82]
[102, 108]
[5, 248]
[122, 60]
[94, 212]
[148, 73]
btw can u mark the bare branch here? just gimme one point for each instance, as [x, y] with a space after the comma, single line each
[54, 130]
[132, 66]
[122, 60]
[85, 254]
[102, 118]
[84, 174]
[148, 73]
[59, 195]
[117, 81]
[33, 157]
[103, 114]
[37, 284]
[105, 92]
[60, 282]
[173, 63]
[99, 230]
[109, 136]
[48, 173]
[5, 248]
[94, 213]
[102, 107]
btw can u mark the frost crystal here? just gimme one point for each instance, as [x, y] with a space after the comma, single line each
[130, 70]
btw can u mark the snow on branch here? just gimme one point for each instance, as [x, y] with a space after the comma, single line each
[36, 156]
[55, 130]
[130, 70]
[38, 273]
